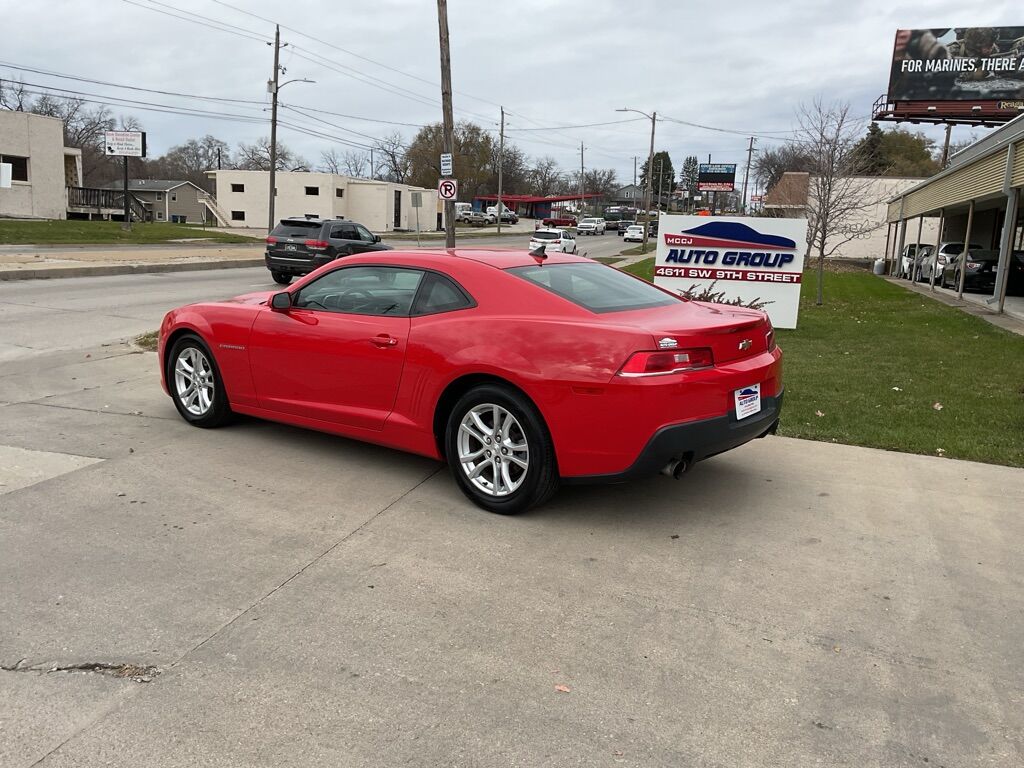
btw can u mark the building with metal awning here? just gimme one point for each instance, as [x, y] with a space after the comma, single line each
[976, 201]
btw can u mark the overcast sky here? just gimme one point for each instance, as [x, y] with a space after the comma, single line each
[743, 66]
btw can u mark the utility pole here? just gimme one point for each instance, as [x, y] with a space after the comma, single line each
[746, 174]
[372, 174]
[945, 146]
[273, 127]
[581, 181]
[446, 110]
[660, 164]
[501, 163]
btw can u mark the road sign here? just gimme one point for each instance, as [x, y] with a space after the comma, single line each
[124, 143]
[446, 164]
[417, 199]
[448, 189]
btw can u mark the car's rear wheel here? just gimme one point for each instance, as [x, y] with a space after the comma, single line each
[499, 450]
[281, 278]
[195, 384]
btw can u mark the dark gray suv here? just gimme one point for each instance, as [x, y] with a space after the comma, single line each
[300, 245]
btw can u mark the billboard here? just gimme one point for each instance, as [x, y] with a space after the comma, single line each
[716, 177]
[753, 260]
[958, 64]
[124, 143]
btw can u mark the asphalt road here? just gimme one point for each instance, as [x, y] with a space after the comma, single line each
[261, 595]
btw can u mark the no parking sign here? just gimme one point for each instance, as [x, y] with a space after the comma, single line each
[448, 189]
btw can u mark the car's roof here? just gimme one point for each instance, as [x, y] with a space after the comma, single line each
[553, 230]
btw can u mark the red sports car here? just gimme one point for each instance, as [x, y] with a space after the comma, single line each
[522, 371]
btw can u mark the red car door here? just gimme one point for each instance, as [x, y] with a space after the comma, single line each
[337, 354]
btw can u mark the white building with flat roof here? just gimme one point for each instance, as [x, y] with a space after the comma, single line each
[381, 206]
[40, 167]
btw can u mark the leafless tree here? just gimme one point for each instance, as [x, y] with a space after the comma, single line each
[351, 163]
[545, 176]
[839, 197]
[394, 163]
[14, 97]
[256, 157]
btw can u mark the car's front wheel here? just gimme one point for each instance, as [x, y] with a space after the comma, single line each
[499, 450]
[195, 384]
[281, 278]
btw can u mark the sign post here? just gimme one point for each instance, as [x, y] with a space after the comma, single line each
[125, 144]
[748, 260]
[417, 203]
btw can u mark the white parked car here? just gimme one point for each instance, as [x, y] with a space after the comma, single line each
[634, 234]
[553, 240]
[591, 227]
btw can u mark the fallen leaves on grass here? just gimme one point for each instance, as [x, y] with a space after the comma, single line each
[562, 688]
[937, 406]
[819, 414]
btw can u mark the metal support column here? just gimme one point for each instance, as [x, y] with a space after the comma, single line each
[966, 253]
[935, 255]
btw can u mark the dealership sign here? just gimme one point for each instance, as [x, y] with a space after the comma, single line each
[751, 259]
[124, 143]
[716, 177]
[958, 64]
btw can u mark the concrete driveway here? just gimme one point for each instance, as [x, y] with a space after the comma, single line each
[261, 595]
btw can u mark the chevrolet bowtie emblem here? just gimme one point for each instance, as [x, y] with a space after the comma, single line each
[746, 344]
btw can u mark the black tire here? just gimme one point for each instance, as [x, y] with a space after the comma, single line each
[281, 278]
[541, 478]
[219, 411]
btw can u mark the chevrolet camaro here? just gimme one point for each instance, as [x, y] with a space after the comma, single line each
[521, 370]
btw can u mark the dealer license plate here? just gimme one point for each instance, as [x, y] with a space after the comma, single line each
[748, 401]
[290, 248]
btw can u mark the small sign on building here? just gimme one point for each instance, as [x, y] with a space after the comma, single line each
[446, 164]
[6, 172]
[124, 143]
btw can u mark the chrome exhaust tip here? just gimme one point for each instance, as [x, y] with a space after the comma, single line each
[675, 468]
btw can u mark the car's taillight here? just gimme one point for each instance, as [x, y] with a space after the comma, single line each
[667, 361]
[271, 241]
[316, 245]
[973, 264]
[557, 242]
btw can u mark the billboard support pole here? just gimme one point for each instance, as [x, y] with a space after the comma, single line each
[126, 225]
[945, 146]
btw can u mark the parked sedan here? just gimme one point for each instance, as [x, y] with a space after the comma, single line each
[979, 271]
[911, 258]
[553, 240]
[521, 372]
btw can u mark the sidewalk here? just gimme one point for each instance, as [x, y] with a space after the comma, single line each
[33, 262]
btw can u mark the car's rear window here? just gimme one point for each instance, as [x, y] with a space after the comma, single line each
[296, 228]
[546, 235]
[595, 286]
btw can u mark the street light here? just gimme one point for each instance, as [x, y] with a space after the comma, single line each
[650, 170]
[274, 87]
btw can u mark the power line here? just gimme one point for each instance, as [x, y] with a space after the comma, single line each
[229, 28]
[585, 125]
[63, 76]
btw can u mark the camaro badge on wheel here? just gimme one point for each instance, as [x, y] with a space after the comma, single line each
[746, 344]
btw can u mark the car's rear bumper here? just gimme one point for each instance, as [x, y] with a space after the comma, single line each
[694, 441]
[295, 265]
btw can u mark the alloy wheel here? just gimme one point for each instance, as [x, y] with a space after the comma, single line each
[493, 450]
[193, 381]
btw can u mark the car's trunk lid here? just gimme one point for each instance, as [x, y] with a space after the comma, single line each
[732, 333]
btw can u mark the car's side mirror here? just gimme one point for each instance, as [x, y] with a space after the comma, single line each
[281, 301]
[376, 238]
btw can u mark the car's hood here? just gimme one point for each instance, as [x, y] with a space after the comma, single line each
[260, 297]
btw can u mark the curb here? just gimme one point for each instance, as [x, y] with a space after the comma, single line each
[104, 270]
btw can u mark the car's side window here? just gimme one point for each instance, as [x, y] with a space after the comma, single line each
[362, 291]
[338, 233]
[363, 234]
[439, 294]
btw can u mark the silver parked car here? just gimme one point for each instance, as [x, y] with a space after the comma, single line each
[947, 251]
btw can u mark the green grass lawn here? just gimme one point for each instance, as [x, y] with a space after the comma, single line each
[75, 232]
[876, 361]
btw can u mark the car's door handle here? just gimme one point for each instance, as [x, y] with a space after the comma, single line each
[384, 340]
